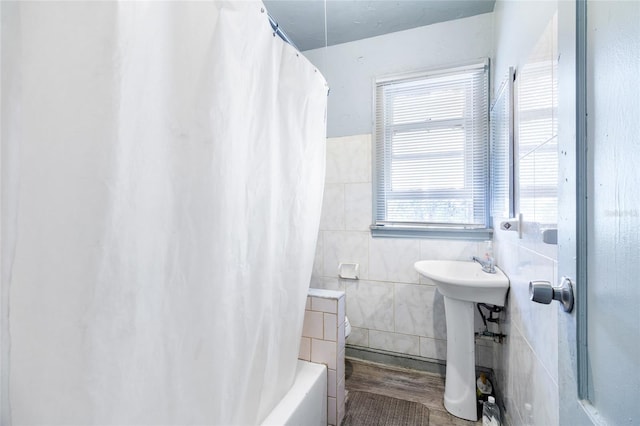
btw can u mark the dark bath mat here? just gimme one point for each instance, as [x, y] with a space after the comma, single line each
[370, 409]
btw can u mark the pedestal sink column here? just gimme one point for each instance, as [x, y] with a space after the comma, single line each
[463, 284]
[459, 390]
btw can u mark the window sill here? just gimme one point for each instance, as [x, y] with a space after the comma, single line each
[440, 233]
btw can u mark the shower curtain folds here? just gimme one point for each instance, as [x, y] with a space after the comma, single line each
[168, 185]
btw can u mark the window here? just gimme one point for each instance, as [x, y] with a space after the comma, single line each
[431, 157]
[537, 142]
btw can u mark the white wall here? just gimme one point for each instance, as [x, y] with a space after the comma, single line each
[350, 68]
[390, 307]
[527, 364]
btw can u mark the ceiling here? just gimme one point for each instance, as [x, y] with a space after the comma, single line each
[348, 20]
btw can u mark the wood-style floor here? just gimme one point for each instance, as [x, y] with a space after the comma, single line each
[410, 385]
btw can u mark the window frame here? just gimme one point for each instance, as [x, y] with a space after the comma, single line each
[431, 229]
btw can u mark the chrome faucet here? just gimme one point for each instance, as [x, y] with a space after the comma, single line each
[488, 265]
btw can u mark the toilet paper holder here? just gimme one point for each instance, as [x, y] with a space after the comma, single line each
[349, 271]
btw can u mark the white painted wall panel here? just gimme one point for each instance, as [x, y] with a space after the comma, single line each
[350, 68]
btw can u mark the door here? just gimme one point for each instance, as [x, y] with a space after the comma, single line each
[599, 342]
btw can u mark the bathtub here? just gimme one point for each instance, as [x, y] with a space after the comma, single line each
[306, 401]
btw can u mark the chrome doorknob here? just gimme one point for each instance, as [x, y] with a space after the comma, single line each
[544, 292]
[541, 291]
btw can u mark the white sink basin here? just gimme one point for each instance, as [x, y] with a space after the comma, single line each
[463, 284]
[464, 280]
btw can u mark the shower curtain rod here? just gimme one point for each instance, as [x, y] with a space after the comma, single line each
[281, 33]
[285, 37]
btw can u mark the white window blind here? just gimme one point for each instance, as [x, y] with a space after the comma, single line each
[431, 160]
[537, 142]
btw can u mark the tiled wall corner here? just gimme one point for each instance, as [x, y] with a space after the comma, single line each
[323, 342]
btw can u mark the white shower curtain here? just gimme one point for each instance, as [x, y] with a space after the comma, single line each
[162, 177]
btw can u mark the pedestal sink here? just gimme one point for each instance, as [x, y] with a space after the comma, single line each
[463, 284]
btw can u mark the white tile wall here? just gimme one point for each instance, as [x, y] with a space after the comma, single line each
[433, 348]
[345, 247]
[323, 342]
[359, 336]
[313, 325]
[450, 249]
[333, 207]
[370, 305]
[526, 366]
[390, 307]
[418, 311]
[394, 342]
[318, 262]
[324, 352]
[357, 206]
[349, 159]
[392, 259]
